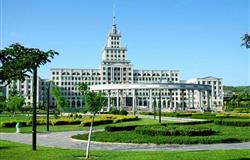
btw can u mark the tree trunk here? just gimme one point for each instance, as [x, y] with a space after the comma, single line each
[90, 131]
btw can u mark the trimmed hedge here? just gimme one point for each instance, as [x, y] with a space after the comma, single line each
[96, 122]
[188, 123]
[120, 128]
[173, 131]
[109, 119]
[125, 119]
[64, 121]
[11, 124]
[232, 122]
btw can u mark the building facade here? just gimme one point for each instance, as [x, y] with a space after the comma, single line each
[25, 89]
[117, 69]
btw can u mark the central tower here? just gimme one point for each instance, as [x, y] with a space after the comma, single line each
[115, 67]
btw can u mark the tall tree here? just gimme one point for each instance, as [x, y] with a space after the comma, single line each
[61, 102]
[17, 62]
[246, 40]
[83, 88]
[14, 103]
[94, 102]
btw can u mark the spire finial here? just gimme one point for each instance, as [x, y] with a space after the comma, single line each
[113, 14]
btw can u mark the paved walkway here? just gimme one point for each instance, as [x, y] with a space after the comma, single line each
[63, 140]
[173, 119]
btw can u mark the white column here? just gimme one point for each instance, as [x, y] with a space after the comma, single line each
[188, 99]
[121, 101]
[209, 104]
[171, 98]
[108, 100]
[175, 100]
[192, 99]
[117, 99]
[133, 100]
[150, 100]
[200, 100]
[182, 100]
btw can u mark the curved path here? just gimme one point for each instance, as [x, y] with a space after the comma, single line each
[63, 140]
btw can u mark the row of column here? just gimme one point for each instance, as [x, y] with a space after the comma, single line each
[172, 105]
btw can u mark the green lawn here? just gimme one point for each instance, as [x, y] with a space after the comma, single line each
[224, 134]
[57, 128]
[15, 151]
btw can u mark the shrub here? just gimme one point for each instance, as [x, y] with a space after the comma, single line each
[75, 116]
[64, 121]
[109, 119]
[233, 122]
[114, 111]
[120, 128]
[118, 112]
[241, 110]
[123, 112]
[157, 130]
[188, 123]
[80, 116]
[12, 124]
[96, 122]
[125, 118]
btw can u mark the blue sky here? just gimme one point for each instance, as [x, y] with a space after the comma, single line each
[198, 37]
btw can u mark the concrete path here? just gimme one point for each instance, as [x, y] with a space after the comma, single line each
[63, 140]
[173, 119]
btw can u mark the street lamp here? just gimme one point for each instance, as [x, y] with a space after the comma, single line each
[48, 84]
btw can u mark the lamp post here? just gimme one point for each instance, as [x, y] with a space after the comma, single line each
[34, 92]
[47, 108]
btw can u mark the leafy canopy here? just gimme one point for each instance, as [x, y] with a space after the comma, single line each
[61, 102]
[246, 40]
[95, 101]
[17, 61]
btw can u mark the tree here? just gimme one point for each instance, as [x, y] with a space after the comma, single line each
[15, 103]
[94, 102]
[83, 87]
[61, 102]
[246, 40]
[17, 62]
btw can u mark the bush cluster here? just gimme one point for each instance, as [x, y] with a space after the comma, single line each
[109, 119]
[11, 124]
[173, 131]
[96, 122]
[188, 123]
[118, 112]
[64, 121]
[233, 122]
[75, 116]
[118, 119]
[241, 110]
[120, 128]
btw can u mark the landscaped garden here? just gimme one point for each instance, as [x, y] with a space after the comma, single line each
[220, 129]
[64, 123]
[15, 151]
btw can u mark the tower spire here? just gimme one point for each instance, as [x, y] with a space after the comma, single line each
[113, 15]
[114, 31]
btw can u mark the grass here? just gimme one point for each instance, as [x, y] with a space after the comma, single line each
[58, 128]
[15, 151]
[224, 134]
